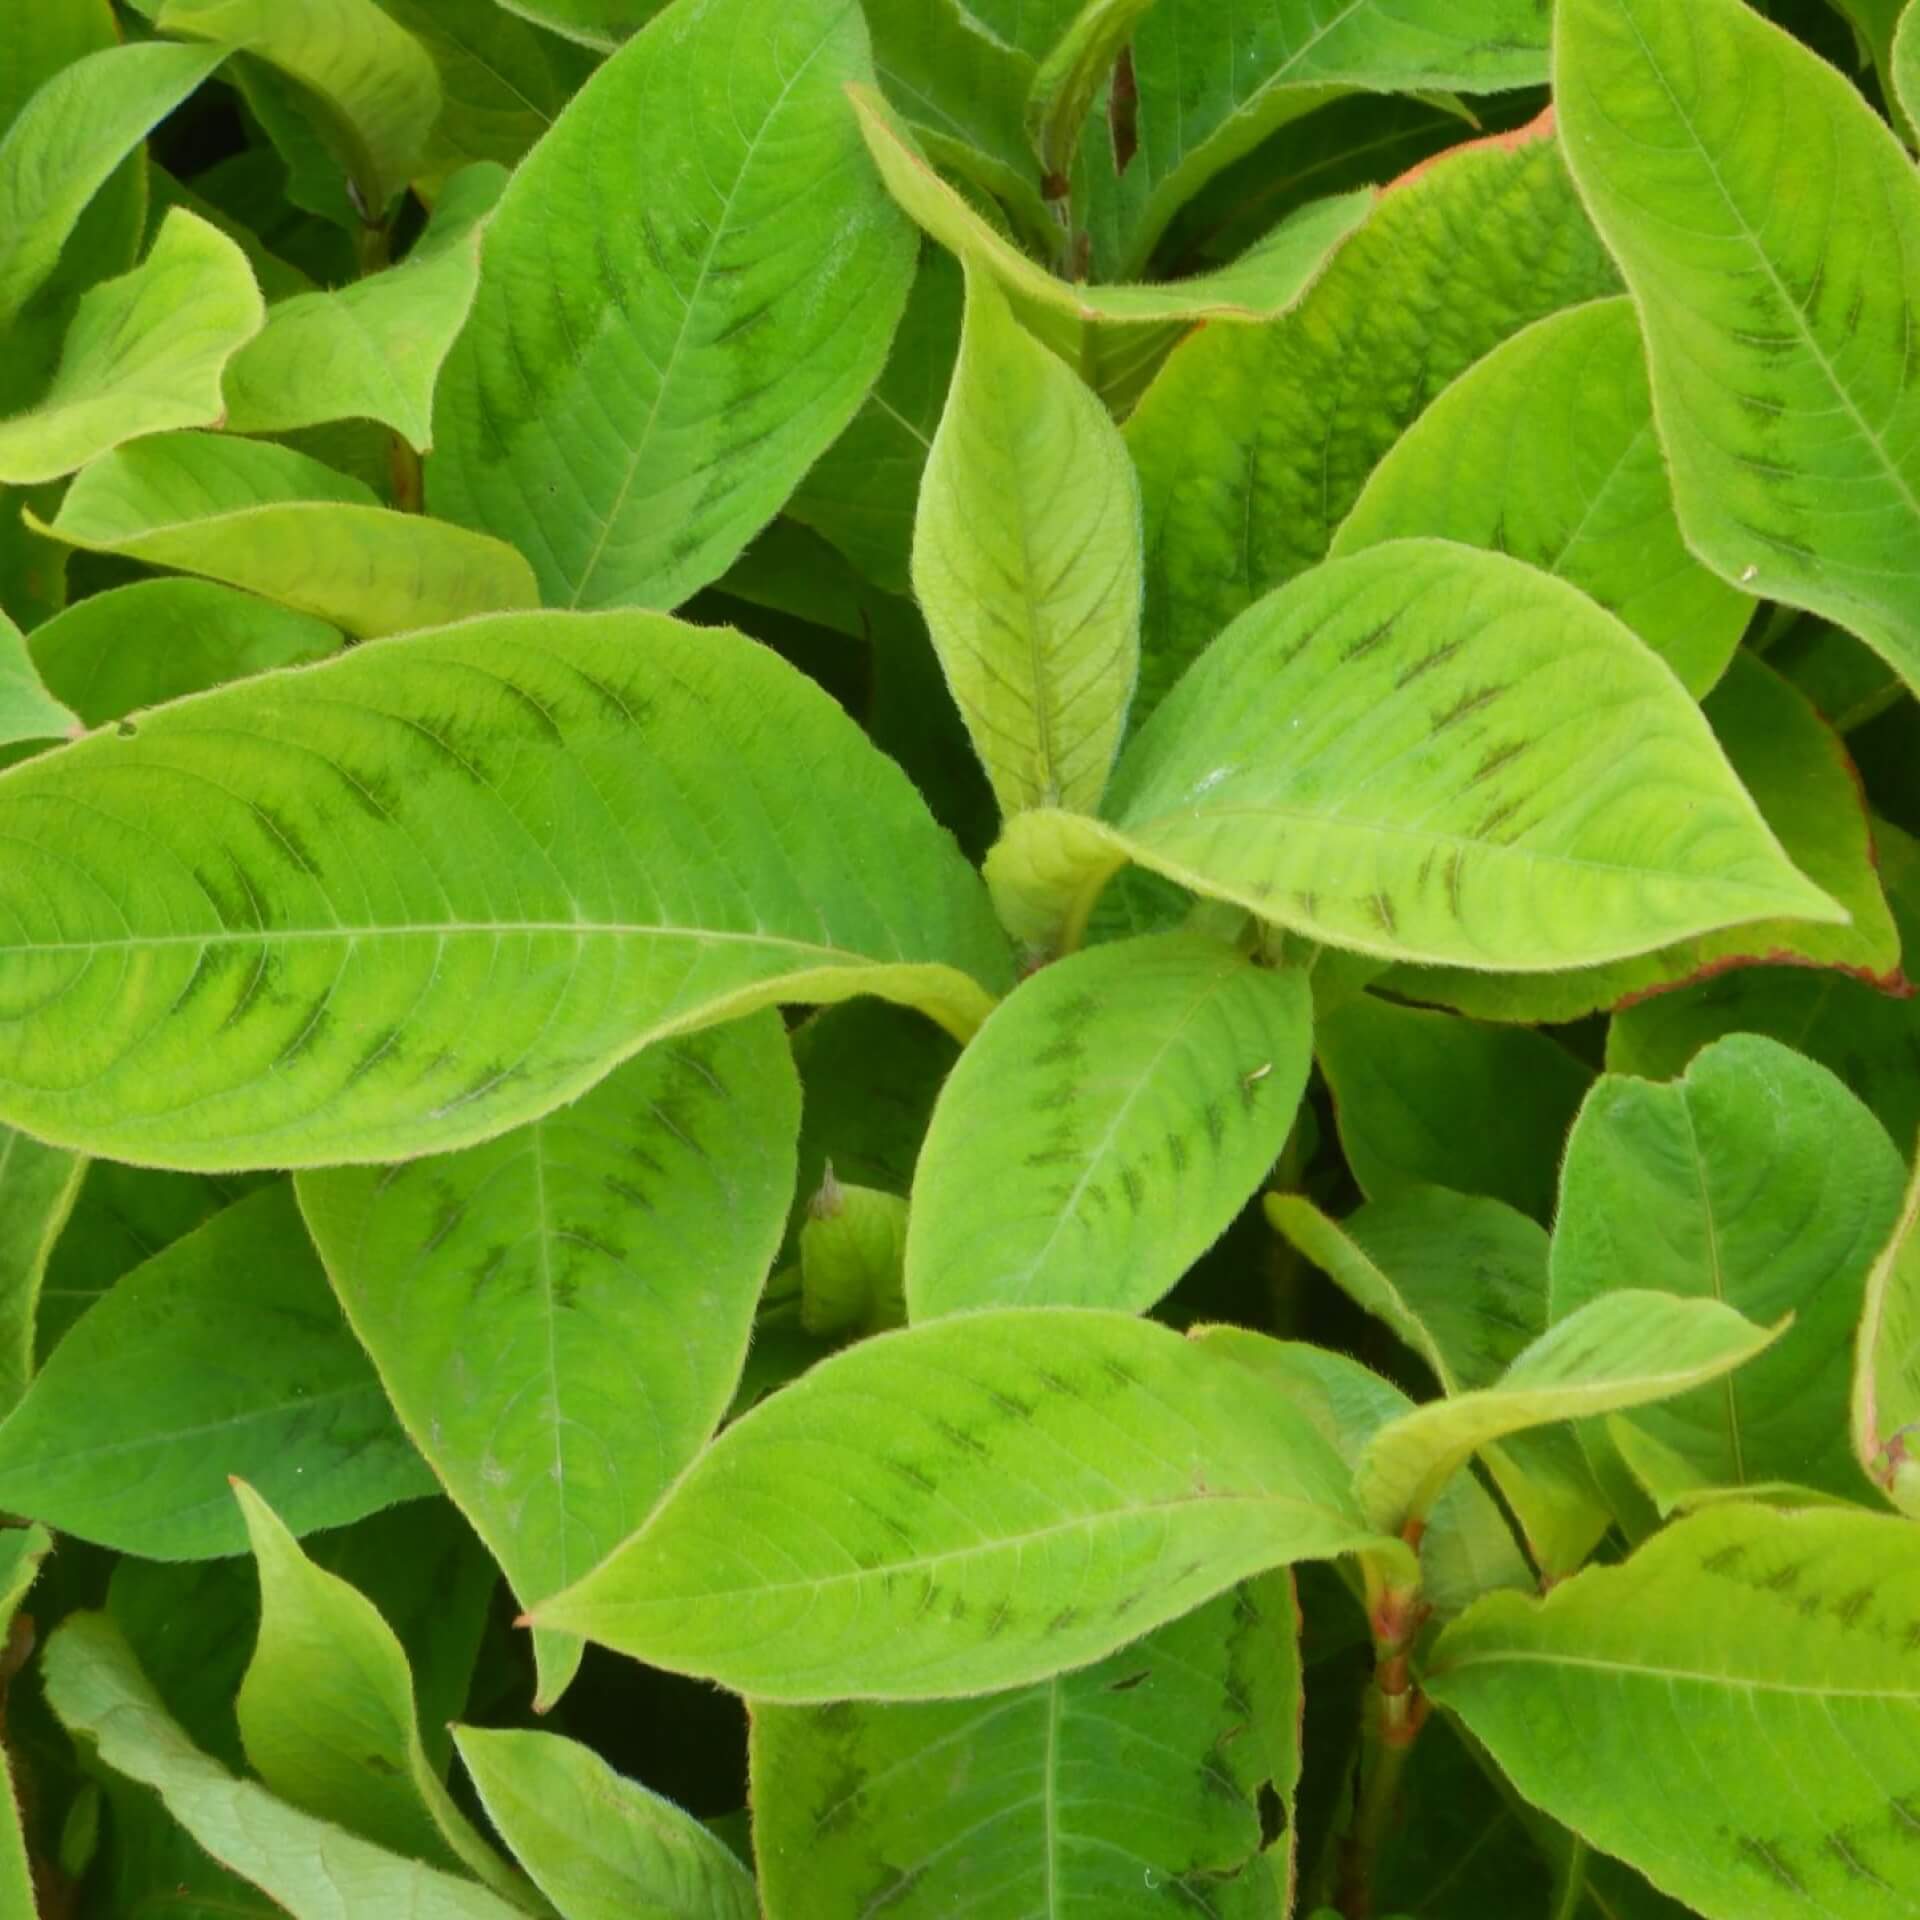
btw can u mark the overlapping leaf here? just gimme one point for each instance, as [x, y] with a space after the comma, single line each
[1776, 302]
[28, 707]
[594, 23]
[21, 1551]
[1886, 1380]
[631, 427]
[38, 1185]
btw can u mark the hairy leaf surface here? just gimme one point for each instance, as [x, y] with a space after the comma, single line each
[29, 709]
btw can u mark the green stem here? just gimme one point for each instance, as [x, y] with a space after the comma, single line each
[1383, 1765]
[1573, 1888]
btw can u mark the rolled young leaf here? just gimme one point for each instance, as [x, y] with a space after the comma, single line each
[1886, 1380]
[968, 1506]
[632, 428]
[1110, 1119]
[1026, 563]
[407, 899]
[1775, 305]
[1071, 76]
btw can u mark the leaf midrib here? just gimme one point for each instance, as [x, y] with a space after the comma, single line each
[1592, 1663]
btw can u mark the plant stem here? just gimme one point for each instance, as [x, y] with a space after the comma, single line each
[1573, 1887]
[1383, 1763]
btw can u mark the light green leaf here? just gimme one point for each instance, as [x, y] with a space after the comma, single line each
[1904, 68]
[28, 709]
[1091, 1793]
[1735, 1711]
[327, 1713]
[372, 350]
[312, 1870]
[1113, 1115]
[1676, 1484]
[1071, 76]
[1026, 562]
[1886, 1380]
[853, 1243]
[631, 431]
[370, 88]
[1623, 1349]
[38, 1186]
[1114, 336]
[21, 1551]
[225, 1354]
[1214, 82]
[67, 140]
[1425, 752]
[1253, 444]
[113, 653]
[1775, 309]
[594, 1239]
[1759, 1181]
[593, 23]
[1427, 1099]
[272, 521]
[144, 354]
[599, 1846]
[406, 899]
[1462, 1282]
[1797, 771]
[1546, 450]
[967, 1506]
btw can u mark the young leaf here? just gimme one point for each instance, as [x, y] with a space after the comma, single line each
[402, 901]
[597, 1241]
[274, 522]
[369, 86]
[372, 350]
[1735, 1711]
[601, 1847]
[1425, 1099]
[1886, 1380]
[1904, 67]
[1026, 562]
[67, 141]
[38, 1186]
[144, 354]
[28, 709]
[632, 430]
[1546, 450]
[1093, 1792]
[1775, 324]
[311, 1870]
[224, 1355]
[1253, 444]
[1071, 76]
[193, 634]
[968, 1506]
[1623, 1349]
[853, 1260]
[1112, 1117]
[21, 1551]
[1797, 772]
[1425, 752]
[1757, 1180]
[327, 1714]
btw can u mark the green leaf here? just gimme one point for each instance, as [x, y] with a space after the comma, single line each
[38, 1186]
[1796, 770]
[225, 1354]
[596, 1238]
[406, 899]
[274, 522]
[1071, 77]
[1758, 1181]
[1114, 1114]
[1546, 450]
[1904, 67]
[312, 1870]
[1886, 1381]
[1425, 752]
[1214, 83]
[192, 635]
[370, 88]
[1747, 1708]
[966, 1506]
[1114, 336]
[1252, 446]
[372, 350]
[1426, 1099]
[328, 1717]
[21, 1551]
[631, 431]
[144, 354]
[852, 1260]
[599, 1846]
[1095, 1792]
[593, 23]
[67, 141]
[1026, 562]
[1623, 1349]
[1775, 324]
[28, 708]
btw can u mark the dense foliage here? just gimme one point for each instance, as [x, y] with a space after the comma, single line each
[950, 959]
